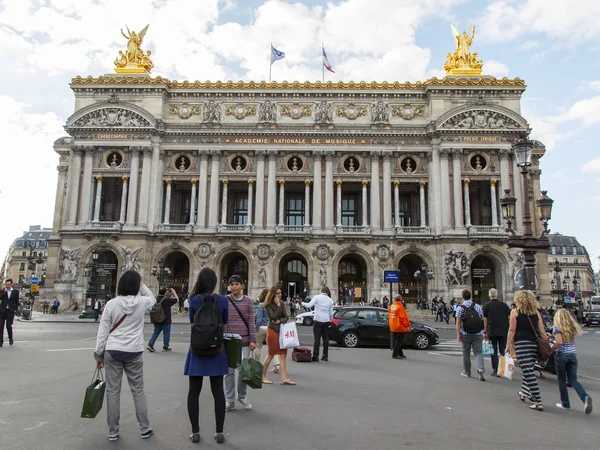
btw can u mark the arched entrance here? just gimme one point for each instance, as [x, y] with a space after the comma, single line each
[234, 264]
[412, 279]
[483, 278]
[293, 275]
[352, 280]
[179, 264]
[106, 281]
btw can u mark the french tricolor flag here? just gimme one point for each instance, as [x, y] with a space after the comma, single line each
[326, 61]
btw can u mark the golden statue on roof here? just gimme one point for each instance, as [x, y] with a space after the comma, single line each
[463, 62]
[134, 60]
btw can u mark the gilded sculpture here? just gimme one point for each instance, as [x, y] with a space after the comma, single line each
[463, 62]
[134, 60]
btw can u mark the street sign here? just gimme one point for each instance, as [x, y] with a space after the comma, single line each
[34, 289]
[571, 294]
[34, 280]
[391, 276]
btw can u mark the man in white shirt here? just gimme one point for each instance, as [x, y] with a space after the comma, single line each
[323, 316]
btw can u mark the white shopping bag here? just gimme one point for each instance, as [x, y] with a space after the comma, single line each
[288, 335]
[509, 366]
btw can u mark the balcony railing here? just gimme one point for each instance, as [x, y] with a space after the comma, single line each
[175, 228]
[413, 230]
[118, 226]
[293, 229]
[484, 229]
[231, 228]
[353, 229]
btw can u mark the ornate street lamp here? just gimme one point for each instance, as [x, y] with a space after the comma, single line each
[161, 273]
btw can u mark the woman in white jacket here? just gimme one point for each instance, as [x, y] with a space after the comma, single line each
[120, 346]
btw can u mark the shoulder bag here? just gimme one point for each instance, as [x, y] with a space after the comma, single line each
[543, 345]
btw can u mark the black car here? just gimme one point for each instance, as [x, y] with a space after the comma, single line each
[592, 319]
[354, 326]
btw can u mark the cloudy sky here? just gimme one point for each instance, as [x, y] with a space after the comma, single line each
[553, 45]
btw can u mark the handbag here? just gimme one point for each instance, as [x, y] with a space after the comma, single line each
[501, 365]
[288, 336]
[232, 343]
[508, 367]
[543, 345]
[487, 348]
[94, 396]
[252, 373]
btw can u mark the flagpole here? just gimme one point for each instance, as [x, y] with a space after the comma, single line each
[322, 62]
[270, 61]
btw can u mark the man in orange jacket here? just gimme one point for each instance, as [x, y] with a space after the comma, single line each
[399, 324]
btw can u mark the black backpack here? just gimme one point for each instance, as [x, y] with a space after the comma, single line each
[472, 323]
[207, 328]
[157, 312]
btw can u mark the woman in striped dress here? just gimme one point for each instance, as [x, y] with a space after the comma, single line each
[525, 325]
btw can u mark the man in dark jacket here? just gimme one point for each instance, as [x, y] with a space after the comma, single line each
[167, 300]
[495, 322]
[9, 302]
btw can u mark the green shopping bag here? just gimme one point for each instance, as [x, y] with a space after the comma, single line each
[252, 373]
[94, 396]
[233, 349]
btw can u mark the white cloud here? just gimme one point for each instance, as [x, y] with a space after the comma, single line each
[591, 85]
[591, 166]
[586, 111]
[495, 68]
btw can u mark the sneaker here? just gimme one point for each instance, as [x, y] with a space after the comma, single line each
[147, 434]
[588, 405]
[229, 406]
[325, 358]
[465, 374]
[113, 438]
[245, 402]
[481, 375]
[315, 359]
[166, 349]
[560, 406]
[150, 348]
[275, 369]
[494, 374]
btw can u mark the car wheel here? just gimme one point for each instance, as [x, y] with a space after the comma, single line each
[307, 321]
[350, 339]
[421, 341]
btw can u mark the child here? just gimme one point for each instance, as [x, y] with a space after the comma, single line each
[565, 329]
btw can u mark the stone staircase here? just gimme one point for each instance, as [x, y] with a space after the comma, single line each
[418, 315]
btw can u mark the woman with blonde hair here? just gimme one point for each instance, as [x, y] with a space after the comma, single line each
[277, 312]
[565, 329]
[526, 325]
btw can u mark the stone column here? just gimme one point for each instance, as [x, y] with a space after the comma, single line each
[397, 204]
[213, 207]
[156, 185]
[467, 204]
[250, 201]
[375, 206]
[192, 203]
[224, 202]
[272, 190]
[145, 186]
[338, 207]
[124, 200]
[422, 204]
[281, 202]
[202, 190]
[365, 204]
[329, 189]
[503, 155]
[494, 203]
[98, 199]
[387, 192]
[518, 194]
[259, 219]
[317, 195]
[86, 187]
[60, 207]
[167, 204]
[133, 186]
[436, 188]
[445, 187]
[307, 203]
[457, 189]
[73, 185]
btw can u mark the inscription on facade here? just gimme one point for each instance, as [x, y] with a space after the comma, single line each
[113, 136]
[480, 139]
[302, 141]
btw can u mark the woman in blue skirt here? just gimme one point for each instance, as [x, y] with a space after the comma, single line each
[199, 366]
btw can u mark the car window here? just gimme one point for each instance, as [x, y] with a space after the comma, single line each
[367, 314]
[347, 313]
[383, 316]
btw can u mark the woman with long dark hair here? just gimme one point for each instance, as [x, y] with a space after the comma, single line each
[276, 310]
[199, 366]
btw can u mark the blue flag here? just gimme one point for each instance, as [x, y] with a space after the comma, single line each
[276, 55]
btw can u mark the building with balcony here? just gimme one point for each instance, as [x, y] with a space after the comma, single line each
[32, 245]
[302, 184]
[570, 266]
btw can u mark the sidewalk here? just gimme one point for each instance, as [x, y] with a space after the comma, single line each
[73, 317]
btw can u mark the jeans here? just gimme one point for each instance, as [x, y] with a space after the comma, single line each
[499, 344]
[166, 331]
[566, 366]
[134, 370]
[398, 339]
[230, 378]
[321, 330]
[472, 341]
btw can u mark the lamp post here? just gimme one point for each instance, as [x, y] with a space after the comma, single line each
[559, 289]
[417, 276]
[161, 273]
[528, 243]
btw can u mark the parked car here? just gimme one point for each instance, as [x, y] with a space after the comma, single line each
[308, 318]
[366, 325]
[591, 319]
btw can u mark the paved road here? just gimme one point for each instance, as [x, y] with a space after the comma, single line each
[362, 398]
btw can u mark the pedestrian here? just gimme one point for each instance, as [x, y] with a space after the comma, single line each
[120, 348]
[526, 325]
[166, 300]
[241, 315]
[97, 306]
[45, 307]
[565, 330]
[495, 320]
[277, 315]
[186, 305]
[385, 303]
[199, 366]
[323, 316]
[399, 324]
[9, 303]
[262, 321]
[469, 327]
